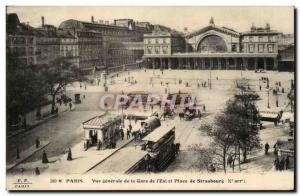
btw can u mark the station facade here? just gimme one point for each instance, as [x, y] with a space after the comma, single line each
[213, 47]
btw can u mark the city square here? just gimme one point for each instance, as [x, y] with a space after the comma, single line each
[133, 97]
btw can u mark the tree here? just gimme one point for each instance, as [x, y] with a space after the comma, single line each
[24, 89]
[235, 129]
[220, 131]
[245, 123]
[57, 75]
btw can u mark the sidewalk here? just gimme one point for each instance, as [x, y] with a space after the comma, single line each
[83, 161]
[32, 122]
[25, 155]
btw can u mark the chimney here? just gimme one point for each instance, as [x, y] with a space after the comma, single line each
[92, 19]
[43, 21]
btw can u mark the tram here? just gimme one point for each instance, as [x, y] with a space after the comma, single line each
[154, 154]
[160, 147]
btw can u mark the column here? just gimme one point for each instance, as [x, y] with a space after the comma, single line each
[227, 63]
[211, 63]
[160, 62]
[255, 63]
[195, 63]
[203, 63]
[235, 63]
[179, 63]
[244, 63]
[265, 63]
[169, 63]
[275, 67]
[219, 63]
[153, 63]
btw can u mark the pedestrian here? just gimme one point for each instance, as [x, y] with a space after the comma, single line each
[85, 145]
[199, 113]
[122, 134]
[99, 145]
[260, 87]
[44, 158]
[85, 87]
[275, 149]
[130, 127]
[18, 153]
[267, 146]
[70, 105]
[282, 90]
[281, 164]
[37, 142]
[37, 171]
[83, 96]
[128, 134]
[80, 85]
[287, 163]
[229, 160]
[135, 120]
[276, 163]
[69, 158]
[204, 108]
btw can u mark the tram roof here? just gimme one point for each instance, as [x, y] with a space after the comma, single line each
[158, 133]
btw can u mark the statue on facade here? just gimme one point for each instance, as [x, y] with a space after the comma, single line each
[211, 21]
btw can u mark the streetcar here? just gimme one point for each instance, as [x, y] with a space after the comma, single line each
[150, 124]
[160, 147]
[155, 152]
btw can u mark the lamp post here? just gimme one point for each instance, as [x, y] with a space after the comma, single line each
[268, 98]
[277, 96]
[210, 78]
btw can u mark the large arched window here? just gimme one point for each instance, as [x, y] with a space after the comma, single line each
[212, 43]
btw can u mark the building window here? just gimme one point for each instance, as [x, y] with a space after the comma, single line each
[149, 49]
[260, 38]
[164, 41]
[157, 49]
[233, 48]
[270, 38]
[260, 48]
[251, 39]
[165, 49]
[156, 41]
[251, 48]
[270, 48]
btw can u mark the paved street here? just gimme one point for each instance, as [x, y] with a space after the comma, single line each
[64, 131]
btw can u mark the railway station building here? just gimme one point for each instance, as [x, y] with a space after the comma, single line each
[213, 47]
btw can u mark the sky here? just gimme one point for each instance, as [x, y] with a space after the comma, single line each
[194, 18]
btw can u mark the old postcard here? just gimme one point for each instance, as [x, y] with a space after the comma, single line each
[150, 98]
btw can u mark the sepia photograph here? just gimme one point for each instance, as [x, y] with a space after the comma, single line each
[141, 98]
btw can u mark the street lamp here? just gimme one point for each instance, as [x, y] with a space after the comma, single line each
[268, 98]
[210, 76]
[277, 97]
